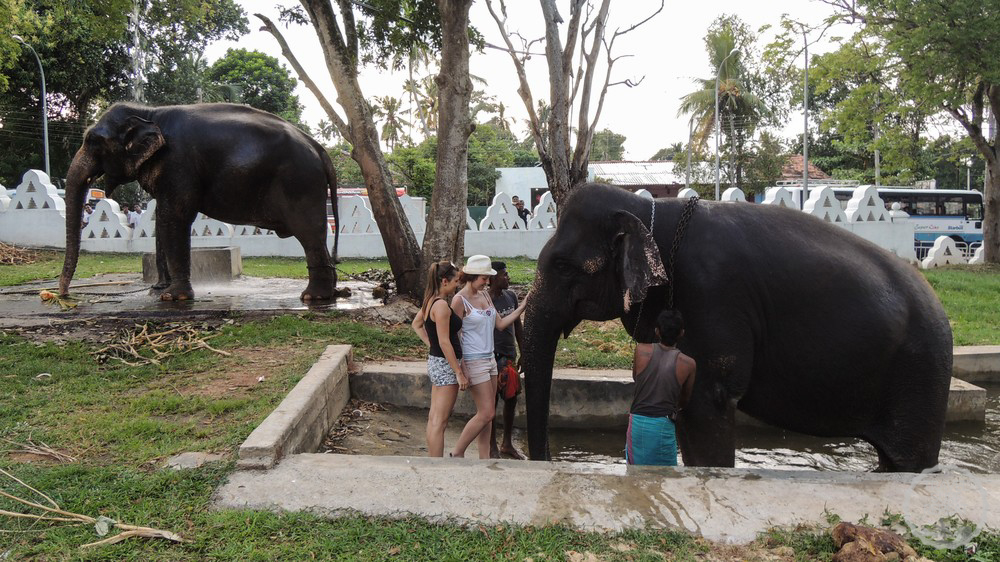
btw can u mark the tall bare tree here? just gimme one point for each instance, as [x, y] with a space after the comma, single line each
[445, 236]
[341, 52]
[573, 67]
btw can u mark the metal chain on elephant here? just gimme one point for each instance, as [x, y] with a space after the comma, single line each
[681, 227]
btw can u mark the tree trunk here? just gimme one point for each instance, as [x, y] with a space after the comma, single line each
[341, 60]
[445, 235]
[991, 210]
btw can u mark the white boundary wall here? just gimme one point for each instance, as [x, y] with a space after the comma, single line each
[35, 217]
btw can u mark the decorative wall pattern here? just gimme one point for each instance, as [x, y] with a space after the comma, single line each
[35, 216]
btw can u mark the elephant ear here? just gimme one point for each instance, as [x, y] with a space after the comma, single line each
[141, 140]
[638, 258]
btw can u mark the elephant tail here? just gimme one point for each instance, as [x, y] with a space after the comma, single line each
[331, 180]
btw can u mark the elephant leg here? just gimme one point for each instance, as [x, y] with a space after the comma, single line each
[177, 248]
[907, 435]
[706, 426]
[322, 275]
[162, 272]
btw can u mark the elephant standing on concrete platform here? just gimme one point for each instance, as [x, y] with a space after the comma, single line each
[231, 162]
[791, 319]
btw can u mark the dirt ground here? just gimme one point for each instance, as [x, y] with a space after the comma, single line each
[369, 428]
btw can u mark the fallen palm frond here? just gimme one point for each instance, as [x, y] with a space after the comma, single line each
[12, 255]
[39, 448]
[102, 525]
[143, 345]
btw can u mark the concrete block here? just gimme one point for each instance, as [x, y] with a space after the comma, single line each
[966, 402]
[580, 398]
[977, 363]
[300, 421]
[207, 265]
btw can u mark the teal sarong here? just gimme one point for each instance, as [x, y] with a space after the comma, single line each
[650, 441]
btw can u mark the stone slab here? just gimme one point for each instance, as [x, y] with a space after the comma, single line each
[207, 265]
[977, 363]
[304, 416]
[580, 398]
[730, 505]
[192, 460]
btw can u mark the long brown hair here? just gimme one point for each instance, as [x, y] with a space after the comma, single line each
[439, 270]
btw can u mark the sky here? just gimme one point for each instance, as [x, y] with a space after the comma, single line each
[667, 52]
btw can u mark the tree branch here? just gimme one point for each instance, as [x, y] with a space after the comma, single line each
[304, 77]
[523, 90]
[350, 28]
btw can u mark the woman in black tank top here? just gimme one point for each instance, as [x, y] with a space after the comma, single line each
[438, 327]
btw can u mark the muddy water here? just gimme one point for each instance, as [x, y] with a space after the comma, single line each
[116, 293]
[969, 445]
[400, 431]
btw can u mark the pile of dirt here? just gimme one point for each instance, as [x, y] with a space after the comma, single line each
[12, 255]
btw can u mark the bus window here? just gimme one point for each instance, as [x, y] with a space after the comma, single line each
[953, 206]
[974, 211]
[925, 206]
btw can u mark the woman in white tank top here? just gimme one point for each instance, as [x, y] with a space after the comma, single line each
[479, 319]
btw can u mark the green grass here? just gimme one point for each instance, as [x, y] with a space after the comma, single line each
[971, 297]
[121, 423]
[50, 262]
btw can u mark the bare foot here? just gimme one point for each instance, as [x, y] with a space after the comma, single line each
[512, 452]
[495, 453]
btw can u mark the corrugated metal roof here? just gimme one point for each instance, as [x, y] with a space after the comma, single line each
[641, 173]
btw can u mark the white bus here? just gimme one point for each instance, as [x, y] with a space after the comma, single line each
[956, 213]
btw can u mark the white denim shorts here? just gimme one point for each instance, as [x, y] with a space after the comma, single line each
[479, 370]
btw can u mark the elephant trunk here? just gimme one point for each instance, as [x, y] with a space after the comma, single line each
[78, 181]
[541, 336]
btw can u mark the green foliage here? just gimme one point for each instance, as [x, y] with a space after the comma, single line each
[607, 146]
[490, 147]
[766, 158]
[745, 94]
[84, 50]
[671, 152]
[261, 80]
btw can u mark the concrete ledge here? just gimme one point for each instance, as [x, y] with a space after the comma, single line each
[207, 265]
[977, 363]
[730, 505]
[581, 398]
[304, 416]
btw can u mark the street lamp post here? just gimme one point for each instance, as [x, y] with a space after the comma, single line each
[805, 128]
[717, 72]
[45, 113]
[687, 174]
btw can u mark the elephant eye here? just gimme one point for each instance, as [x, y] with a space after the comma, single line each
[563, 266]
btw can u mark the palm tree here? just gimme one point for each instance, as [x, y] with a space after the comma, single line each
[389, 109]
[739, 109]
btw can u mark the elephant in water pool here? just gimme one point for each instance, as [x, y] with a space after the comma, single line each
[792, 320]
[231, 162]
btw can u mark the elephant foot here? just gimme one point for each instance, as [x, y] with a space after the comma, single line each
[177, 293]
[158, 288]
[320, 292]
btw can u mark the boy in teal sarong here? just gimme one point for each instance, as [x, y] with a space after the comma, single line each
[664, 378]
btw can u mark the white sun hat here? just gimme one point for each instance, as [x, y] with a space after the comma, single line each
[478, 265]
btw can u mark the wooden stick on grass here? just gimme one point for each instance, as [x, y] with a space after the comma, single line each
[128, 531]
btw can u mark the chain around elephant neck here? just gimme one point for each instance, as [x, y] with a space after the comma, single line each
[678, 235]
[681, 227]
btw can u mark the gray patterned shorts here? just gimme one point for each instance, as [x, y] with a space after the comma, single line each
[440, 371]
